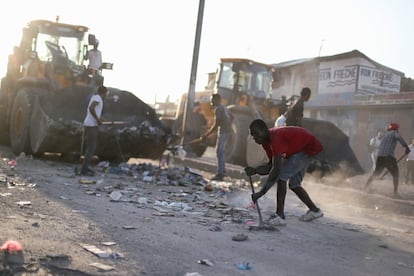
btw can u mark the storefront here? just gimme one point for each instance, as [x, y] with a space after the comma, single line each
[355, 93]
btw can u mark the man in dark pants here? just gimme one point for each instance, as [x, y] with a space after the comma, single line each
[295, 113]
[386, 158]
[222, 122]
[91, 123]
[289, 150]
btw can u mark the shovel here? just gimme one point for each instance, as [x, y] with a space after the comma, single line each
[261, 225]
[194, 141]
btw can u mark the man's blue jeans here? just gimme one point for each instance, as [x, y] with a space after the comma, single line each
[220, 149]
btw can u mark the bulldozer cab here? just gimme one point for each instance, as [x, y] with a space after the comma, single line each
[240, 77]
[243, 82]
[39, 35]
[56, 51]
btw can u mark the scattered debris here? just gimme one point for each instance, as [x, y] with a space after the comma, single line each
[239, 237]
[128, 227]
[60, 257]
[11, 246]
[205, 262]
[101, 253]
[79, 211]
[215, 228]
[115, 195]
[87, 181]
[244, 266]
[24, 203]
[102, 267]
[109, 243]
[405, 265]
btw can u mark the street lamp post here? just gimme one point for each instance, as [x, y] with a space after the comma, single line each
[191, 90]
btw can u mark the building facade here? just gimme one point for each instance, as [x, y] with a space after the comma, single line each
[352, 91]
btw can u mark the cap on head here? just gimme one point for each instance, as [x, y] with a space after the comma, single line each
[393, 126]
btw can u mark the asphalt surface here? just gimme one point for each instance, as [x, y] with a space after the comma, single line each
[380, 195]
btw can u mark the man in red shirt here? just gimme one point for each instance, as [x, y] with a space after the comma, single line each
[289, 150]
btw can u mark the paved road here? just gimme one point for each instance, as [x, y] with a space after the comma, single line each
[381, 194]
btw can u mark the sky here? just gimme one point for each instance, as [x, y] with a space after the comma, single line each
[151, 42]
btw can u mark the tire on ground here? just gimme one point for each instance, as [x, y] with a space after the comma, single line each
[20, 122]
[4, 129]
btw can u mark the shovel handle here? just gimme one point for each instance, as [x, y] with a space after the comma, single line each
[194, 141]
[257, 203]
[387, 171]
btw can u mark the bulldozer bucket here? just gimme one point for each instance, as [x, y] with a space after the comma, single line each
[336, 149]
[57, 123]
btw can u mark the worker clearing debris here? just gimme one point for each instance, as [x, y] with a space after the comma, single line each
[289, 150]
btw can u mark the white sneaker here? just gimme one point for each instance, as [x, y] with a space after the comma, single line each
[275, 220]
[311, 215]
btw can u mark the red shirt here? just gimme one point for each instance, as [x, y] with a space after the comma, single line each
[289, 140]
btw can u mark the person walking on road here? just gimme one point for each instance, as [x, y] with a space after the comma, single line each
[289, 150]
[222, 122]
[409, 175]
[294, 115]
[91, 123]
[373, 146]
[386, 158]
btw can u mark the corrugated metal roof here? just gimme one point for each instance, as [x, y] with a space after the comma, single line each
[351, 54]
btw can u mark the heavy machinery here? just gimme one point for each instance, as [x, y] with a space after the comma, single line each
[44, 96]
[245, 87]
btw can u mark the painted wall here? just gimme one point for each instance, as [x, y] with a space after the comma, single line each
[356, 95]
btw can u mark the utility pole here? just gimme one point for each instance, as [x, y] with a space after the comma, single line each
[320, 48]
[191, 90]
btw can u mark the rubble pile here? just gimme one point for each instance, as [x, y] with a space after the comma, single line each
[167, 191]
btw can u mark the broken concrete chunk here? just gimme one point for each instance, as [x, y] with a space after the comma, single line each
[102, 267]
[97, 251]
[115, 195]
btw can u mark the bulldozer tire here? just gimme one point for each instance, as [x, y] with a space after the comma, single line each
[4, 129]
[20, 122]
[236, 146]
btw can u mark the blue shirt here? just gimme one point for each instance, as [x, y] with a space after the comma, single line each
[388, 143]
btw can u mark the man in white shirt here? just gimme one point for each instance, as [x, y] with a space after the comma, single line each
[95, 59]
[91, 123]
[281, 120]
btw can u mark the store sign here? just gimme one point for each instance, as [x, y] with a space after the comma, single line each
[374, 81]
[337, 77]
[360, 78]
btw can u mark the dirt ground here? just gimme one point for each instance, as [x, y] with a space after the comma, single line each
[127, 222]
